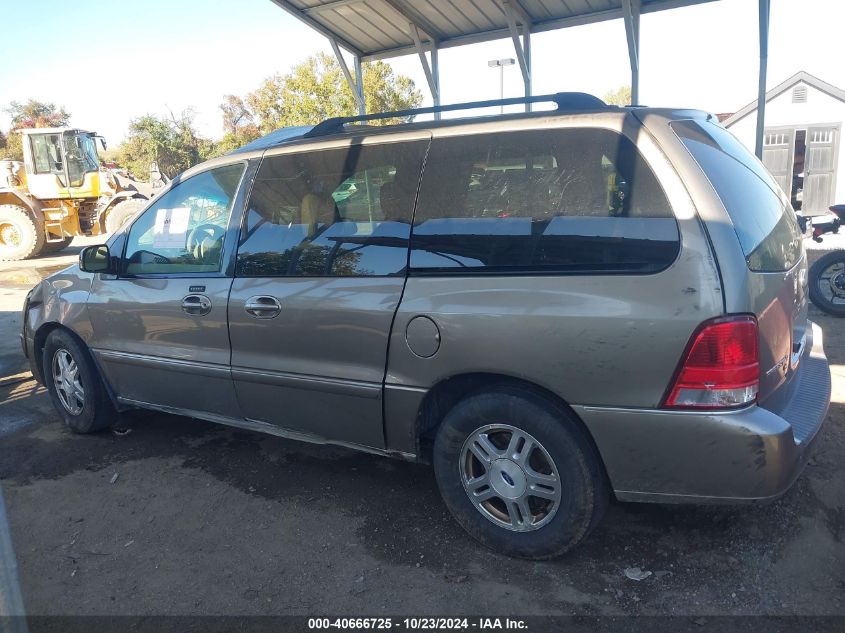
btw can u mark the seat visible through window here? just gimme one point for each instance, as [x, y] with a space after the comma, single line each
[340, 212]
[566, 200]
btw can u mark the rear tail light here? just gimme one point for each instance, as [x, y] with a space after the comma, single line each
[720, 368]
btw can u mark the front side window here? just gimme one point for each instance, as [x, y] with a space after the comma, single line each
[541, 201]
[184, 230]
[338, 212]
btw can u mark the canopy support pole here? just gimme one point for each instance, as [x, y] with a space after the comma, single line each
[522, 45]
[435, 70]
[765, 9]
[432, 72]
[359, 81]
[526, 47]
[355, 85]
[631, 15]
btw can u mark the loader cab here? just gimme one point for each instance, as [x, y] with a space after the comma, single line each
[62, 163]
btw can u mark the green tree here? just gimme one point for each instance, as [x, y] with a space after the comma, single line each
[13, 148]
[239, 126]
[236, 114]
[316, 89]
[172, 142]
[620, 97]
[36, 114]
[30, 114]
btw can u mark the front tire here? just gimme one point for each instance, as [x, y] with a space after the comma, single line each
[75, 386]
[21, 235]
[827, 283]
[518, 473]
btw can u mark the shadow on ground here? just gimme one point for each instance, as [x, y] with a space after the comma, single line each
[180, 516]
[184, 517]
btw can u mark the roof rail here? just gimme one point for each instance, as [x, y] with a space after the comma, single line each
[564, 101]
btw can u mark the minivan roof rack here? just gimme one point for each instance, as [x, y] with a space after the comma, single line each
[565, 101]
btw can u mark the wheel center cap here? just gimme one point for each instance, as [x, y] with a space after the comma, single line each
[507, 479]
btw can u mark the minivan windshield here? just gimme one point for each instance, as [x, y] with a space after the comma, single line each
[762, 217]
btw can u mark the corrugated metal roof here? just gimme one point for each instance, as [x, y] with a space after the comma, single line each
[376, 29]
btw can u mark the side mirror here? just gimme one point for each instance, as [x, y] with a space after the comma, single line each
[96, 259]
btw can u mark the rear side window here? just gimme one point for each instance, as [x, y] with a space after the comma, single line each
[762, 217]
[332, 213]
[541, 201]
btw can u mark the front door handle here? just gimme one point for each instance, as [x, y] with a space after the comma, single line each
[196, 305]
[263, 307]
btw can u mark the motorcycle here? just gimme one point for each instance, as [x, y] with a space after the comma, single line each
[827, 274]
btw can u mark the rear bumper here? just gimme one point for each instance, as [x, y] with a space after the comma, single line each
[745, 456]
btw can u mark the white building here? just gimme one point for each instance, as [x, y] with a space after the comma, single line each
[804, 118]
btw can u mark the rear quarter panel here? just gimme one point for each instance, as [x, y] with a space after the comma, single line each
[599, 340]
[778, 299]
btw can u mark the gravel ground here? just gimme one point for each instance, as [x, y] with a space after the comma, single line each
[184, 517]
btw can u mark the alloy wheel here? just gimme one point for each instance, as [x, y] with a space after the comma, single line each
[67, 381]
[510, 477]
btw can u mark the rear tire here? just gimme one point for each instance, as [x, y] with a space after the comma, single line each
[21, 235]
[75, 386]
[55, 247]
[122, 212]
[542, 483]
[827, 277]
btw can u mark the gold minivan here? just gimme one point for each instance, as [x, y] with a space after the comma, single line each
[554, 308]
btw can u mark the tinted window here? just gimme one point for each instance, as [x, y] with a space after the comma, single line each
[550, 200]
[762, 217]
[183, 231]
[332, 212]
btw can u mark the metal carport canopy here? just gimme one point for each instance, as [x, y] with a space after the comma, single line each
[379, 29]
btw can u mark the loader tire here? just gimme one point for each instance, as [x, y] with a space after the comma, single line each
[21, 235]
[122, 212]
[55, 247]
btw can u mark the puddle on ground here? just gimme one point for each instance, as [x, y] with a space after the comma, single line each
[27, 276]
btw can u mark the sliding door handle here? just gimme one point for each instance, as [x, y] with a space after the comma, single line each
[263, 307]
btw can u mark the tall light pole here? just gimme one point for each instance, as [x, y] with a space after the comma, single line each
[500, 64]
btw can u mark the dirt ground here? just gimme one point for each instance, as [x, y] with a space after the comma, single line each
[184, 517]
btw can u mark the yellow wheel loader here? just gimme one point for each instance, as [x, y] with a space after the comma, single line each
[58, 192]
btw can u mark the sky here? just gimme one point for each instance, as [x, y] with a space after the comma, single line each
[107, 63]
